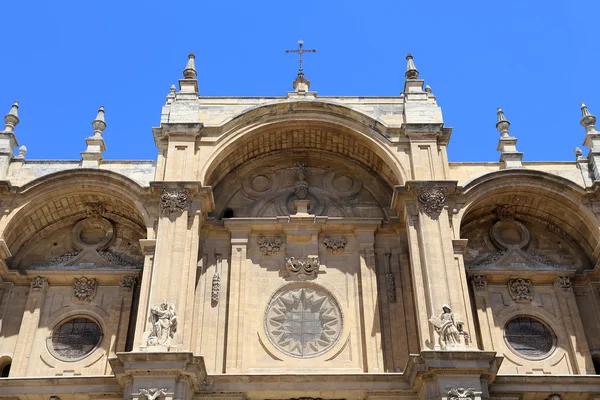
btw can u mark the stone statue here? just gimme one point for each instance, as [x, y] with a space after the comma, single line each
[449, 327]
[164, 324]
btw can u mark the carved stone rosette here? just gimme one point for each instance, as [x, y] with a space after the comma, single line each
[563, 283]
[269, 246]
[38, 283]
[335, 246]
[302, 269]
[461, 393]
[432, 200]
[479, 283]
[128, 282]
[84, 289]
[173, 202]
[521, 290]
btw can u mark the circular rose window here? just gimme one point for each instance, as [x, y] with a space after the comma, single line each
[303, 321]
[529, 337]
[75, 338]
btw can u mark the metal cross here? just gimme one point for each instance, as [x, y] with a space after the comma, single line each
[300, 50]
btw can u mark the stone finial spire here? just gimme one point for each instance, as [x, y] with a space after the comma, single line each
[507, 146]
[22, 152]
[171, 95]
[578, 153]
[411, 71]
[92, 156]
[189, 84]
[588, 120]
[190, 69]
[12, 118]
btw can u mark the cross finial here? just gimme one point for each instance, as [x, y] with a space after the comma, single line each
[301, 50]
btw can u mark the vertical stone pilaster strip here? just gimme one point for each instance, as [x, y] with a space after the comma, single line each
[29, 327]
[192, 243]
[148, 248]
[372, 351]
[237, 291]
[582, 359]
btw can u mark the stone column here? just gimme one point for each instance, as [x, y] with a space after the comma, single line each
[582, 359]
[173, 275]
[237, 292]
[438, 275]
[29, 326]
[369, 305]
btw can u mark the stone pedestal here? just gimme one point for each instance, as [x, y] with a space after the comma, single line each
[153, 376]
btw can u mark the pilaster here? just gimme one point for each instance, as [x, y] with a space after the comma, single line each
[437, 271]
[29, 325]
[370, 324]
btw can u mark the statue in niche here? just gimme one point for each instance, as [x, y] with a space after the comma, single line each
[164, 324]
[449, 327]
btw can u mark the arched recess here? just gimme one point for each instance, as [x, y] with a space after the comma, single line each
[48, 208]
[304, 126]
[552, 203]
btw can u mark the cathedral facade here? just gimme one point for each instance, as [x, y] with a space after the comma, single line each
[299, 247]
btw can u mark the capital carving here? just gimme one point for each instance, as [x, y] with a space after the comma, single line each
[38, 283]
[84, 289]
[128, 282]
[335, 246]
[269, 246]
[479, 283]
[432, 200]
[302, 269]
[153, 393]
[563, 283]
[173, 202]
[461, 393]
[521, 290]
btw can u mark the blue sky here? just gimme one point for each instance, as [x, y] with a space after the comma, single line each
[536, 59]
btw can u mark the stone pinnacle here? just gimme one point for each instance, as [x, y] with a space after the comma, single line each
[190, 69]
[411, 71]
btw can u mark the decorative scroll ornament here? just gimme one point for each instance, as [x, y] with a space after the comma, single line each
[164, 324]
[450, 329]
[302, 269]
[461, 393]
[479, 283]
[335, 246]
[84, 289]
[269, 246]
[564, 283]
[301, 184]
[38, 283]
[521, 290]
[153, 394]
[216, 288]
[128, 282]
[173, 202]
[433, 200]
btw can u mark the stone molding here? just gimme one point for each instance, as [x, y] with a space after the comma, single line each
[521, 290]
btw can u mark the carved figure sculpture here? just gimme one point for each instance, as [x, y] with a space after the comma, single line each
[164, 324]
[303, 269]
[448, 326]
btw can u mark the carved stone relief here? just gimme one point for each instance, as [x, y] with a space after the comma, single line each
[128, 282]
[216, 281]
[173, 202]
[303, 269]
[301, 189]
[335, 246]
[269, 246]
[153, 393]
[38, 283]
[479, 283]
[303, 321]
[521, 290]
[432, 200]
[163, 320]
[390, 282]
[84, 289]
[461, 393]
[564, 283]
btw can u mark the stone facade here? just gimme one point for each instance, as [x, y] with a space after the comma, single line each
[299, 247]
